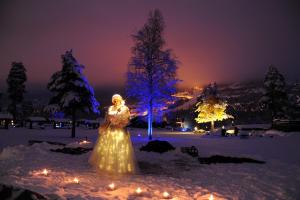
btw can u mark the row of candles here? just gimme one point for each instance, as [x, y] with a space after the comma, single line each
[138, 191]
[111, 186]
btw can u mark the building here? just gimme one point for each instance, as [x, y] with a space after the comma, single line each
[35, 122]
[5, 120]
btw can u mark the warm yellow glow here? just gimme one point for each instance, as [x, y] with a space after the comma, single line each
[45, 172]
[211, 197]
[76, 180]
[110, 158]
[196, 129]
[230, 131]
[138, 190]
[183, 95]
[211, 110]
[113, 152]
[166, 195]
[111, 186]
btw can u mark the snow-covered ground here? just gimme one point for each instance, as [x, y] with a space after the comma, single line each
[179, 174]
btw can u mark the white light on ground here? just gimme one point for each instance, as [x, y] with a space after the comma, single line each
[84, 142]
[76, 180]
[230, 131]
[138, 190]
[45, 172]
[166, 195]
[111, 186]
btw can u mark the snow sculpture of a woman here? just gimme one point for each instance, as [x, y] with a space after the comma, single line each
[113, 152]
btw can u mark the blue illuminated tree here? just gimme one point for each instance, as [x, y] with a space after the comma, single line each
[72, 92]
[151, 76]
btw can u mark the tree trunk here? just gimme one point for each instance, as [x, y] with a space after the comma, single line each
[150, 109]
[6, 123]
[14, 111]
[212, 125]
[150, 113]
[73, 122]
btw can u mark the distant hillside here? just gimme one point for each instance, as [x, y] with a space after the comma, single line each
[242, 98]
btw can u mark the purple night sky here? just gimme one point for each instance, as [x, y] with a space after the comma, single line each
[219, 40]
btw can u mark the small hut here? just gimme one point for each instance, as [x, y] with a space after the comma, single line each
[5, 120]
[59, 123]
[36, 122]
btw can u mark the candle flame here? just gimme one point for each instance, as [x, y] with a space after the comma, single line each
[138, 190]
[166, 195]
[111, 186]
[211, 197]
[84, 142]
[76, 180]
[45, 172]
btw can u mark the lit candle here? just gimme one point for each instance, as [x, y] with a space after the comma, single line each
[211, 197]
[138, 190]
[166, 195]
[45, 172]
[84, 142]
[111, 186]
[76, 180]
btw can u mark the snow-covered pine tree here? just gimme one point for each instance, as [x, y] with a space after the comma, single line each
[72, 92]
[211, 107]
[16, 87]
[275, 96]
[151, 76]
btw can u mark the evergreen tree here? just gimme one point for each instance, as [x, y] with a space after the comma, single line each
[210, 107]
[72, 92]
[210, 91]
[16, 87]
[151, 76]
[275, 96]
[0, 102]
[27, 109]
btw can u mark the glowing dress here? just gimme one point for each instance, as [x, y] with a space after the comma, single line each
[113, 151]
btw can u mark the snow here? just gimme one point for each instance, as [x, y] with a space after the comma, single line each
[52, 108]
[179, 174]
[70, 86]
[70, 97]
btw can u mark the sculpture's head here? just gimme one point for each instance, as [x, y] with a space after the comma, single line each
[117, 100]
